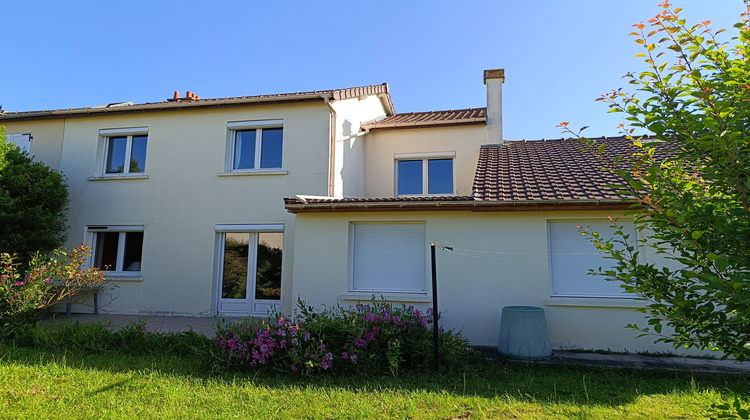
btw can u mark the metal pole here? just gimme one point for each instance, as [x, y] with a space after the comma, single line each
[435, 306]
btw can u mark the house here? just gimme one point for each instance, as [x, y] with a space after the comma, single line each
[238, 205]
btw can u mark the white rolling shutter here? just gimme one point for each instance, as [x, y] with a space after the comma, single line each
[572, 255]
[388, 257]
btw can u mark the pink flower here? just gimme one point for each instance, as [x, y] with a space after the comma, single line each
[46, 280]
[18, 283]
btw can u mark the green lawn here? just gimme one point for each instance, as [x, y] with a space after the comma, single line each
[41, 384]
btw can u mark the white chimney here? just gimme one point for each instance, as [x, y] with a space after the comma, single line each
[494, 80]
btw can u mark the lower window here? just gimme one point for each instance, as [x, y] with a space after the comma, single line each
[118, 249]
[249, 268]
[572, 255]
[388, 257]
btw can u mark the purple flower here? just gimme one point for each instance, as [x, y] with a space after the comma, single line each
[281, 321]
[294, 368]
[18, 283]
[322, 347]
[306, 335]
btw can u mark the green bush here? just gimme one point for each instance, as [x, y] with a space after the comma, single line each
[370, 338]
[33, 204]
[24, 296]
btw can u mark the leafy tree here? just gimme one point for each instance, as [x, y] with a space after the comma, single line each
[691, 182]
[33, 204]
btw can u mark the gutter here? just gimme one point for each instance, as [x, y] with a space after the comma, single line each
[457, 205]
[422, 124]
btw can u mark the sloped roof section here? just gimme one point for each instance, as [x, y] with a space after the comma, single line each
[547, 170]
[431, 119]
[514, 176]
[381, 91]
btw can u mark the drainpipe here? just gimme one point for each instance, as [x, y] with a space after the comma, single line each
[332, 151]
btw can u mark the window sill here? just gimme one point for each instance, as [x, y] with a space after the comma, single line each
[256, 172]
[118, 177]
[597, 302]
[388, 296]
[123, 277]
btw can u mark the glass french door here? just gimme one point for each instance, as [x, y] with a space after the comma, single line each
[250, 272]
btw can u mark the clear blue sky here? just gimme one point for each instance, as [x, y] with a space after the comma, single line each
[558, 55]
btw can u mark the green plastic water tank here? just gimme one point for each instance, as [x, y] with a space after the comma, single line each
[523, 333]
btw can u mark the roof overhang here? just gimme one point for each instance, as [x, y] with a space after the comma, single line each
[381, 91]
[294, 205]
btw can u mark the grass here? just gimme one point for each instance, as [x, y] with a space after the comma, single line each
[37, 383]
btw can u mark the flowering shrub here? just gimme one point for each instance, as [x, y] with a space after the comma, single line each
[366, 337]
[25, 296]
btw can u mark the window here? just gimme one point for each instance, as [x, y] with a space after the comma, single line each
[388, 257]
[255, 145]
[571, 255]
[250, 267]
[424, 175]
[124, 150]
[118, 249]
[21, 140]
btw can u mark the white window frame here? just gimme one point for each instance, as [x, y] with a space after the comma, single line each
[233, 127]
[588, 286]
[122, 230]
[22, 140]
[129, 133]
[421, 253]
[425, 158]
[249, 305]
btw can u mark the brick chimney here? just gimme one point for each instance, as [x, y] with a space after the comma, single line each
[494, 80]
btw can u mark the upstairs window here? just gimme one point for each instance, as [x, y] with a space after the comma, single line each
[125, 150]
[256, 145]
[21, 140]
[425, 175]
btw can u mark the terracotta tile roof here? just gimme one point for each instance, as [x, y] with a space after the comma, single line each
[548, 170]
[431, 118]
[515, 176]
[185, 103]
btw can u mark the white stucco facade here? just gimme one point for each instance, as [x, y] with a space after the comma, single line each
[188, 189]
[510, 266]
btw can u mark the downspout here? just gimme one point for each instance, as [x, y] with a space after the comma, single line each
[332, 147]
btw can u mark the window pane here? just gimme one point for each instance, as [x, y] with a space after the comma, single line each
[106, 250]
[268, 274]
[138, 154]
[244, 149]
[116, 154]
[133, 251]
[270, 155]
[440, 176]
[234, 276]
[410, 177]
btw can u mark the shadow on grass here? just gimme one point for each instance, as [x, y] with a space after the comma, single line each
[586, 386]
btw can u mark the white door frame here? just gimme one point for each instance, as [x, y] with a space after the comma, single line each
[249, 305]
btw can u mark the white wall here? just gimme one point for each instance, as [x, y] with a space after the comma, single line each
[348, 171]
[473, 290]
[47, 142]
[184, 196]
